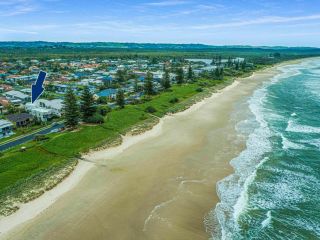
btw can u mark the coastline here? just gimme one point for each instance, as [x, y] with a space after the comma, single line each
[34, 208]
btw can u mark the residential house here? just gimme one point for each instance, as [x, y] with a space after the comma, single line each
[20, 119]
[61, 88]
[16, 95]
[5, 128]
[24, 79]
[55, 105]
[44, 109]
[4, 103]
[6, 87]
[42, 114]
[109, 93]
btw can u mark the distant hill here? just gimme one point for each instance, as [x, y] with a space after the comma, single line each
[145, 46]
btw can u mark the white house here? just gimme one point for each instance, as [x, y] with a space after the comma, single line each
[55, 105]
[16, 95]
[42, 114]
[45, 109]
[5, 128]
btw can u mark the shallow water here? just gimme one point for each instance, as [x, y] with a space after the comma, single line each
[275, 190]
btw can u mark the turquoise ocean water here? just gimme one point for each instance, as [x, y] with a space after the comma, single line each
[275, 190]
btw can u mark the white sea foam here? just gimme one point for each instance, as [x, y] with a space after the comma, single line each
[287, 144]
[301, 128]
[233, 190]
[154, 214]
[267, 221]
[286, 189]
[315, 142]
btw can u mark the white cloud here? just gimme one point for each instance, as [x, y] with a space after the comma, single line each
[17, 31]
[167, 3]
[16, 7]
[263, 20]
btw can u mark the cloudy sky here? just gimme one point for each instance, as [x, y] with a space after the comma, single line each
[217, 22]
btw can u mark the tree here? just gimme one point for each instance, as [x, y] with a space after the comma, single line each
[136, 85]
[165, 82]
[237, 65]
[219, 60]
[120, 76]
[71, 109]
[243, 65]
[229, 64]
[190, 73]
[148, 84]
[217, 73]
[120, 98]
[180, 76]
[104, 110]
[87, 105]
[221, 74]
[103, 100]
[13, 109]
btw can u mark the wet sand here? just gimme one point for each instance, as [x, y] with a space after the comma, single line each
[161, 186]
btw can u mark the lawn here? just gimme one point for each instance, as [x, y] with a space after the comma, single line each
[18, 167]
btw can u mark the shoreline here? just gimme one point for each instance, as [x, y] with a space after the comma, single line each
[230, 207]
[34, 208]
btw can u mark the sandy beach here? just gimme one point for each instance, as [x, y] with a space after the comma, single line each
[158, 185]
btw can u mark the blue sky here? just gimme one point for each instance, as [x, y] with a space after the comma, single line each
[216, 22]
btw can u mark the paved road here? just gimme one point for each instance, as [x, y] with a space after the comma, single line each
[29, 137]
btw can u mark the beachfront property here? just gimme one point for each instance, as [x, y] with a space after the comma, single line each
[5, 128]
[55, 105]
[45, 110]
[41, 114]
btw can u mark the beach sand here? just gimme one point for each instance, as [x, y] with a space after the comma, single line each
[159, 185]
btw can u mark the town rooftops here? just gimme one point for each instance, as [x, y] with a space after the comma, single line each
[55, 103]
[19, 117]
[5, 123]
[16, 94]
[107, 92]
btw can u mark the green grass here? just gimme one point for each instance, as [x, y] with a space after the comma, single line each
[70, 144]
[19, 166]
[162, 102]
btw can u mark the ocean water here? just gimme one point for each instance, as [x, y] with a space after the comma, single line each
[274, 192]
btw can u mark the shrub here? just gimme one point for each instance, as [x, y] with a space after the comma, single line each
[143, 117]
[102, 100]
[174, 100]
[96, 118]
[40, 137]
[104, 110]
[199, 90]
[150, 109]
